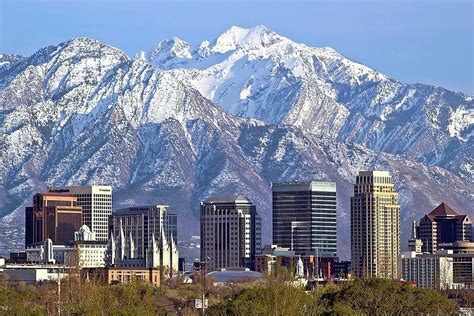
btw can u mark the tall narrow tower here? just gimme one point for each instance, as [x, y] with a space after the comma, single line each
[230, 232]
[375, 225]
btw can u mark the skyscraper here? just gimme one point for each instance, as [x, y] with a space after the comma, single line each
[375, 226]
[52, 216]
[96, 203]
[230, 232]
[304, 217]
[443, 225]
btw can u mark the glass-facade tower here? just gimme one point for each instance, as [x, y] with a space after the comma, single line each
[304, 217]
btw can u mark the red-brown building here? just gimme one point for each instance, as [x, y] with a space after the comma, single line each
[52, 216]
[443, 225]
[128, 275]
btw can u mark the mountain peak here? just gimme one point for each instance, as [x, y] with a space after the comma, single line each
[238, 37]
[84, 46]
[167, 49]
[82, 42]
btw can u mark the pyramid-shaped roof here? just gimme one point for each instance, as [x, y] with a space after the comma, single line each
[443, 210]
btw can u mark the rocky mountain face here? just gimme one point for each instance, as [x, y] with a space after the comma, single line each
[257, 73]
[170, 127]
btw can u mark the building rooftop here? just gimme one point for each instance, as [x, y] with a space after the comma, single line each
[234, 276]
[85, 189]
[138, 209]
[228, 199]
[295, 186]
[443, 210]
[61, 196]
[376, 173]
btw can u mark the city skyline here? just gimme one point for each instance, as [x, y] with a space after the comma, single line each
[65, 191]
[373, 191]
[205, 157]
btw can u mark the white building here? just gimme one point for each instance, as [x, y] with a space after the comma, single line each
[85, 234]
[427, 270]
[85, 252]
[96, 203]
[30, 274]
[2, 263]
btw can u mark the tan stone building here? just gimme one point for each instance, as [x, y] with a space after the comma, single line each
[127, 275]
[230, 232]
[375, 226]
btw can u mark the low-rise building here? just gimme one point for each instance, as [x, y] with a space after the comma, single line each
[84, 252]
[30, 274]
[127, 275]
[427, 270]
[234, 276]
[314, 266]
[342, 270]
[18, 257]
[463, 262]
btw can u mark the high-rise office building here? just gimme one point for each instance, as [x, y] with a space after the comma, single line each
[304, 217]
[96, 203]
[145, 237]
[443, 225]
[375, 226]
[230, 232]
[52, 216]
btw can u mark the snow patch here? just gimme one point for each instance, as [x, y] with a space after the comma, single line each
[460, 120]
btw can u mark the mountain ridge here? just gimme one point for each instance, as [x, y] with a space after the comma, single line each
[84, 112]
[257, 73]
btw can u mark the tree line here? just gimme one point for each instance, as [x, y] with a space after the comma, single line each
[275, 295]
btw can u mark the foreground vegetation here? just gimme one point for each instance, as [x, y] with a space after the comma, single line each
[274, 296]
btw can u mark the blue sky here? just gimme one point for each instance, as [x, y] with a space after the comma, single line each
[412, 41]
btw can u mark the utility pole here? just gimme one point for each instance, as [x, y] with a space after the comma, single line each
[203, 287]
[317, 267]
[59, 291]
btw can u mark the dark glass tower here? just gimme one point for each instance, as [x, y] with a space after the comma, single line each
[304, 217]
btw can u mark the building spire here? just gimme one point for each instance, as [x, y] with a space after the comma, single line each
[111, 250]
[121, 242]
[132, 246]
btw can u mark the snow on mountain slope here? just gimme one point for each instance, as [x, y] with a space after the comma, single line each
[83, 112]
[257, 73]
[7, 61]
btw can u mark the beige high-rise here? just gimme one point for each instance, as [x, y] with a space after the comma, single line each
[375, 226]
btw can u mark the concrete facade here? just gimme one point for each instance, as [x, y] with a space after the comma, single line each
[375, 226]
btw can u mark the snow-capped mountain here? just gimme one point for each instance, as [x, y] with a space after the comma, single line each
[83, 112]
[7, 60]
[257, 73]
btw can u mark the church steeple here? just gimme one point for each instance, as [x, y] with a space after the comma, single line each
[414, 244]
